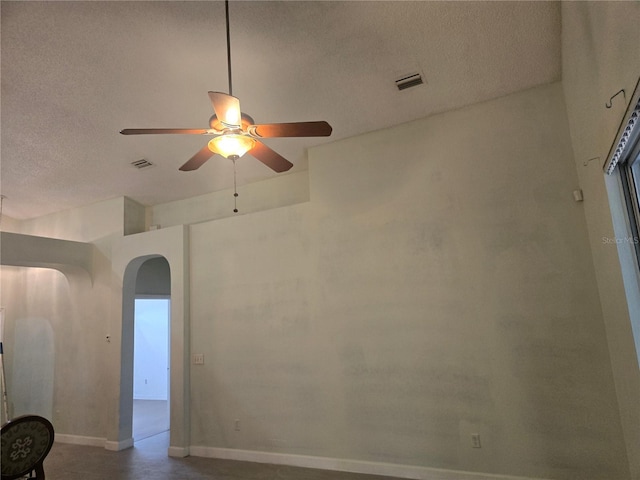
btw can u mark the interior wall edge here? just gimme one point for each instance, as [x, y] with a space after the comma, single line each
[119, 445]
[178, 452]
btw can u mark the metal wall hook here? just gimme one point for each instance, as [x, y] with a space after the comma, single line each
[610, 104]
[586, 162]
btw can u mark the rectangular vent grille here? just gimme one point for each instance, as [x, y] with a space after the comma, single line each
[409, 81]
[142, 163]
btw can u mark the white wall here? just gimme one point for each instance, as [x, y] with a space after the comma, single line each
[29, 345]
[439, 283]
[66, 321]
[86, 224]
[54, 347]
[601, 55]
[151, 349]
[279, 191]
[9, 224]
[129, 253]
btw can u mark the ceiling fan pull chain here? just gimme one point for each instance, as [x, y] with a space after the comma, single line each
[235, 188]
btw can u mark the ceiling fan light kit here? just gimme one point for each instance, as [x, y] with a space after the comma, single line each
[231, 145]
[235, 133]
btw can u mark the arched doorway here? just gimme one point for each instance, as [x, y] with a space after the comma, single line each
[129, 254]
[151, 352]
[146, 278]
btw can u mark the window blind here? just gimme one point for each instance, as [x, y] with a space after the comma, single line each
[627, 134]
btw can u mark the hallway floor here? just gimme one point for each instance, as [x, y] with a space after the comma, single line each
[148, 460]
[150, 417]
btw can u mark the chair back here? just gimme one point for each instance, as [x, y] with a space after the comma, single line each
[26, 441]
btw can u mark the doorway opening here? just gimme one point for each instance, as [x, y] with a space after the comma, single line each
[149, 337]
[151, 367]
[153, 274]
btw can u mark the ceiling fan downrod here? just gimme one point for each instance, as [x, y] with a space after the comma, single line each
[226, 9]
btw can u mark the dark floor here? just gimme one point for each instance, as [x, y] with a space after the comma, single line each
[148, 460]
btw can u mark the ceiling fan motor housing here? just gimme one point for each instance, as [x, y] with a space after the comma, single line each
[216, 124]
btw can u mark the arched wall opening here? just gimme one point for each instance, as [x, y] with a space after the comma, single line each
[129, 256]
[151, 353]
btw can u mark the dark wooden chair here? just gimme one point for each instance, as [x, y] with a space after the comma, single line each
[26, 441]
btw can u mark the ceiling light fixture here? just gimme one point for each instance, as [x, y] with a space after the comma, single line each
[231, 145]
[235, 133]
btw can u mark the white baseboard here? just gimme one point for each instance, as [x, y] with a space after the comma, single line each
[178, 452]
[79, 440]
[345, 465]
[94, 441]
[117, 446]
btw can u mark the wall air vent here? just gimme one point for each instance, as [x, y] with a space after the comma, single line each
[142, 163]
[408, 81]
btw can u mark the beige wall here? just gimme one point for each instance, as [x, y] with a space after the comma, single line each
[439, 283]
[65, 321]
[86, 224]
[129, 253]
[55, 346]
[279, 191]
[601, 55]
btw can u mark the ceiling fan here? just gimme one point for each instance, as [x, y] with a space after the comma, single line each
[235, 133]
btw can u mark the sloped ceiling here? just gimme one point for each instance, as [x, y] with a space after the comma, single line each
[75, 73]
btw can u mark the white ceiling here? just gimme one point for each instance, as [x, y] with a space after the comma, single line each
[75, 73]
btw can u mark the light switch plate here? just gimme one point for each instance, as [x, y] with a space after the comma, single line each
[198, 358]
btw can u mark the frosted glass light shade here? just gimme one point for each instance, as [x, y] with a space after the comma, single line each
[231, 145]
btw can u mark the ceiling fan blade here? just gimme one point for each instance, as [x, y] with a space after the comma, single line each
[227, 109]
[270, 158]
[298, 129]
[153, 131]
[197, 160]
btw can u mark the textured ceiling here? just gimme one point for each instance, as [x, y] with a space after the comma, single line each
[75, 73]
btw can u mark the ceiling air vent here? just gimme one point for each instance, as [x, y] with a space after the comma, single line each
[408, 81]
[142, 163]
